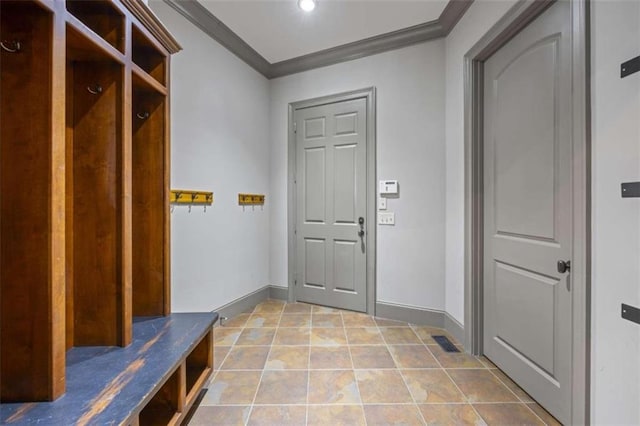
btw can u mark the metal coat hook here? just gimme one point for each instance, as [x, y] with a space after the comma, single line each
[95, 89]
[12, 46]
[205, 208]
[189, 208]
[142, 116]
[172, 208]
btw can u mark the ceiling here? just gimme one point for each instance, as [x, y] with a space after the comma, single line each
[278, 30]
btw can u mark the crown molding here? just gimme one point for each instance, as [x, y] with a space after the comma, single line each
[151, 22]
[216, 29]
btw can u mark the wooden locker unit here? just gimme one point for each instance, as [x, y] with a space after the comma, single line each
[84, 180]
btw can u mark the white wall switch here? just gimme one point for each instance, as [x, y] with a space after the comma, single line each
[382, 203]
[386, 218]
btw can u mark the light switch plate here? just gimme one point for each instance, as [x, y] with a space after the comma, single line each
[386, 218]
[382, 203]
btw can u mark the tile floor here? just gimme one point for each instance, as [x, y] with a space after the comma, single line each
[297, 364]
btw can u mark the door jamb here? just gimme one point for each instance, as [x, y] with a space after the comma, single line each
[518, 17]
[369, 94]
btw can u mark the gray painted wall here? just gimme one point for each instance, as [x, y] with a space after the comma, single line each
[616, 221]
[219, 137]
[410, 148]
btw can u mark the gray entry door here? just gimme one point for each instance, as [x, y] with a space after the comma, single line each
[331, 198]
[528, 209]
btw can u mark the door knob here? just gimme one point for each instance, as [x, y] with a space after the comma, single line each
[361, 231]
[564, 266]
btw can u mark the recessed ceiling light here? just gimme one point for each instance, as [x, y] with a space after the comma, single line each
[307, 5]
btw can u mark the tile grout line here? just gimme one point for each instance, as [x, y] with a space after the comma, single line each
[526, 404]
[415, 404]
[456, 385]
[353, 370]
[261, 374]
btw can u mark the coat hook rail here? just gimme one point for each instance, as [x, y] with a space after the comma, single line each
[94, 89]
[12, 46]
[189, 197]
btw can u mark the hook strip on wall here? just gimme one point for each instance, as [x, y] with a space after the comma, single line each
[189, 197]
[251, 199]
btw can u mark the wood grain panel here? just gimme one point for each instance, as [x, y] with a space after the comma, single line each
[148, 210]
[97, 136]
[31, 357]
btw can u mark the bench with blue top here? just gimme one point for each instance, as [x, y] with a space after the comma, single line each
[153, 381]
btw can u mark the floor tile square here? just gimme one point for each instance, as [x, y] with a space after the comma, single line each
[432, 385]
[507, 414]
[330, 357]
[487, 362]
[326, 320]
[368, 357]
[232, 387]
[413, 356]
[220, 415]
[270, 306]
[544, 415]
[333, 387]
[282, 387]
[238, 321]
[256, 337]
[295, 320]
[450, 414]
[288, 358]
[259, 320]
[335, 415]
[393, 415]
[292, 336]
[399, 336]
[246, 358]
[520, 393]
[316, 309]
[281, 415]
[219, 354]
[352, 319]
[364, 336]
[328, 336]
[481, 386]
[225, 336]
[454, 359]
[382, 386]
[297, 308]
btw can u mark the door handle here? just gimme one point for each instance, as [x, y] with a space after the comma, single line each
[564, 266]
[361, 223]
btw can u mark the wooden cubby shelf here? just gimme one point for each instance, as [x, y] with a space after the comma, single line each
[85, 310]
[102, 17]
[140, 384]
[146, 55]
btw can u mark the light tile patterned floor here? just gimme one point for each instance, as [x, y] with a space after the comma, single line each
[299, 364]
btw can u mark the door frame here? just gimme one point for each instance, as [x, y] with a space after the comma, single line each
[517, 18]
[369, 94]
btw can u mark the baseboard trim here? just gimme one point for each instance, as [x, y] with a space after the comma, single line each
[244, 303]
[454, 327]
[279, 293]
[410, 314]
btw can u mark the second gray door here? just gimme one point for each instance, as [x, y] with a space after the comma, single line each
[331, 185]
[528, 209]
